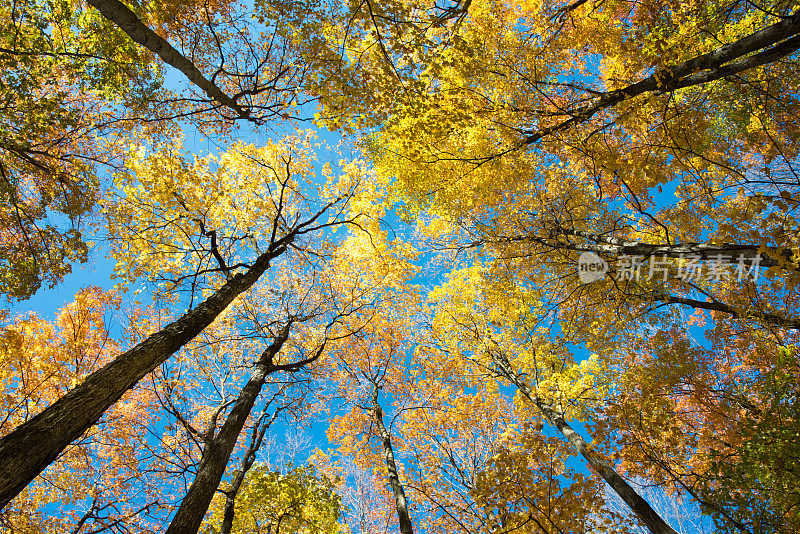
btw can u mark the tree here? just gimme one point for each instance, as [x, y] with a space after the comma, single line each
[79, 88]
[219, 446]
[481, 464]
[275, 220]
[206, 390]
[59, 81]
[369, 360]
[466, 467]
[525, 135]
[94, 483]
[706, 425]
[320, 301]
[544, 372]
[571, 151]
[366, 503]
[296, 500]
[524, 139]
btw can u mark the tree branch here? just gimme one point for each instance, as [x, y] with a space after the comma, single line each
[119, 14]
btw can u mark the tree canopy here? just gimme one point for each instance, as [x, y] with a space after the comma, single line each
[534, 266]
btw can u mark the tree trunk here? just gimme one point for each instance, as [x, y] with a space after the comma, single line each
[228, 514]
[229, 511]
[119, 14]
[731, 253]
[599, 244]
[32, 446]
[218, 449]
[394, 479]
[730, 59]
[635, 502]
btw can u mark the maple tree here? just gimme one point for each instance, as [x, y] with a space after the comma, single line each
[78, 88]
[41, 361]
[658, 138]
[58, 82]
[275, 220]
[294, 501]
[325, 299]
[364, 363]
[516, 146]
[367, 360]
[712, 428]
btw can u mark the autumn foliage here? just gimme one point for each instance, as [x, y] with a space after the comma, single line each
[369, 220]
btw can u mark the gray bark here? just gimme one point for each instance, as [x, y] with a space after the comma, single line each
[31, 447]
[217, 450]
[635, 502]
[403, 517]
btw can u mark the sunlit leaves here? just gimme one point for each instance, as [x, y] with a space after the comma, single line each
[210, 216]
[91, 482]
[58, 83]
[297, 500]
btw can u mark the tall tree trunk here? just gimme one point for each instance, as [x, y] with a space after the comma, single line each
[32, 446]
[635, 502]
[119, 14]
[218, 449]
[394, 479]
[229, 511]
[759, 48]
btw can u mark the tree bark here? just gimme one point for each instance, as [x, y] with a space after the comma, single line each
[730, 59]
[600, 244]
[621, 247]
[229, 510]
[119, 14]
[218, 449]
[635, 502]
[715, 305]
[403, 517]
[31, 447]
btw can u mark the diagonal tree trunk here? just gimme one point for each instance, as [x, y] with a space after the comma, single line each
[218, 449]
[762, 47]
[655, 524]
[759, 48]
[730, 253]
[229, 510]
[601, 244]
[403, 517]
[119, 14]
[31, 447]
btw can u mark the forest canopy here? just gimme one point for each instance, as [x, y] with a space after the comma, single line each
[531, 267]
